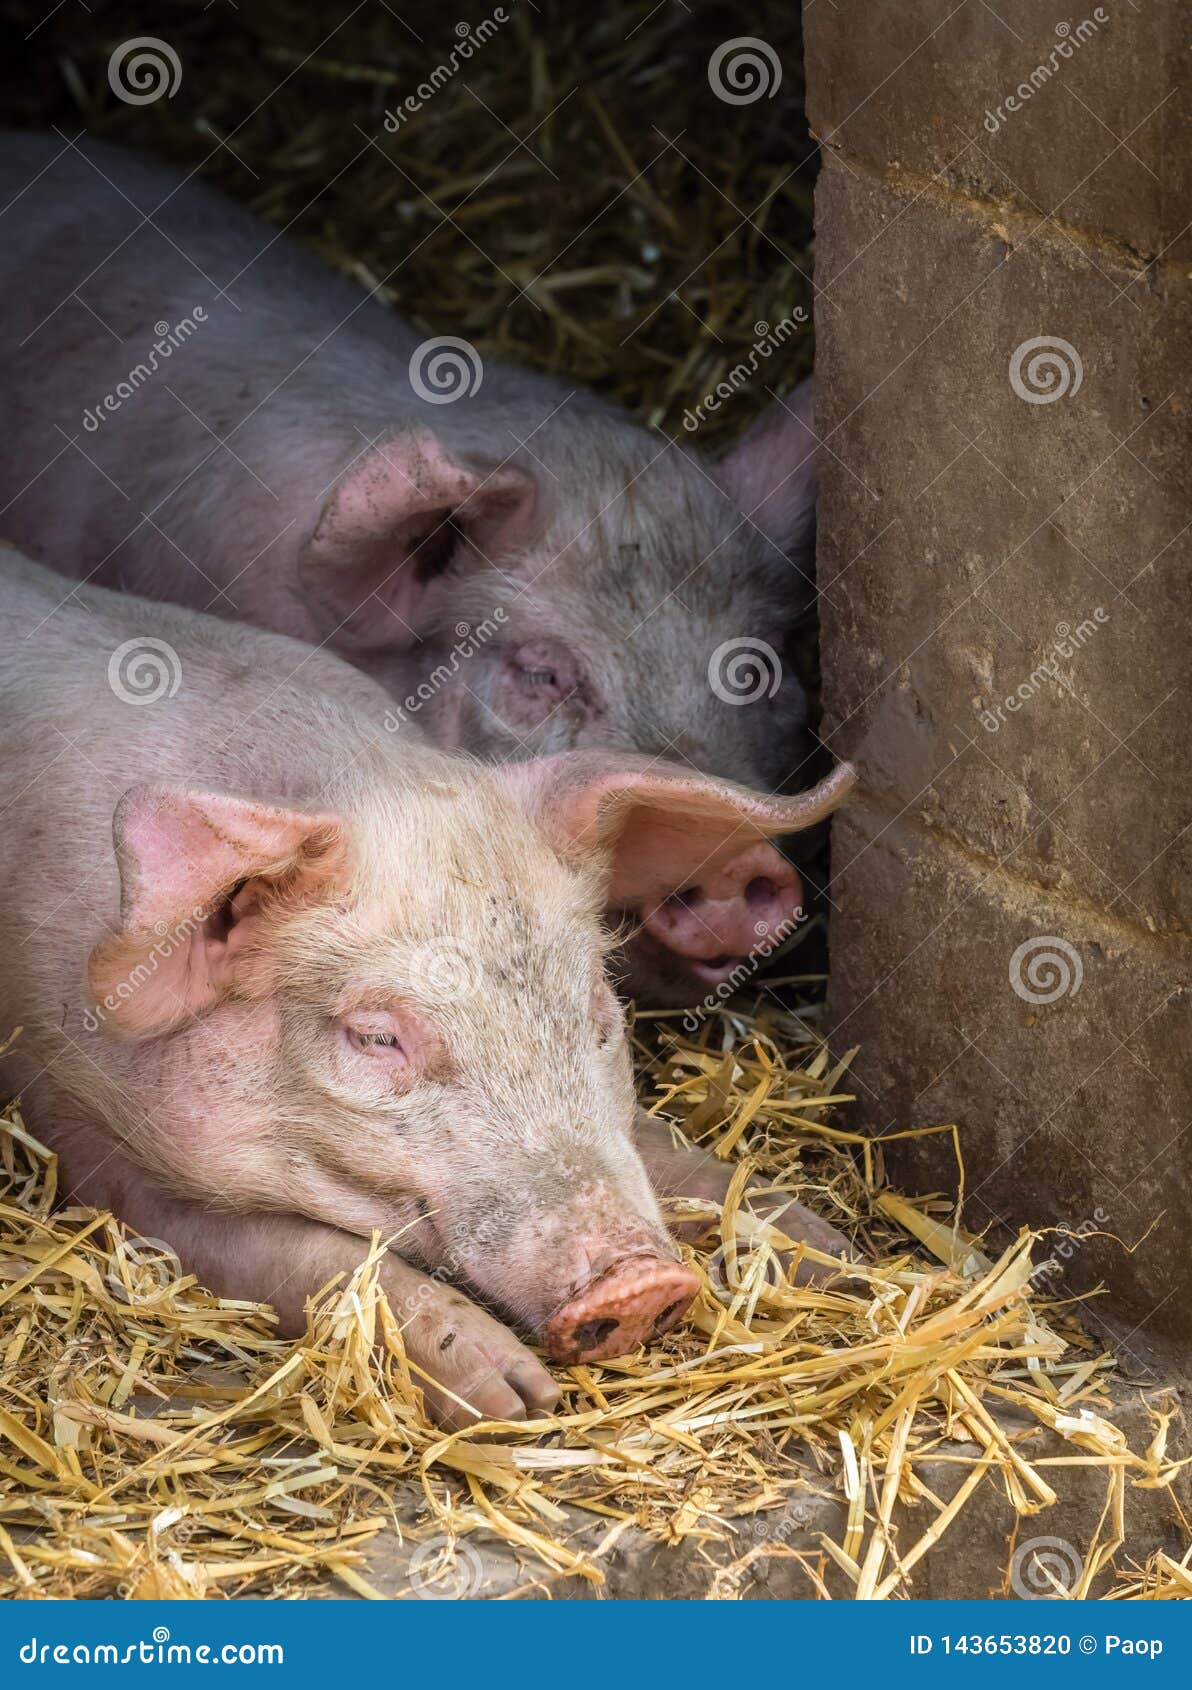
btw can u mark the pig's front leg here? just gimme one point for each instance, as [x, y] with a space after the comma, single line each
[459, 1350]
[678, 1168]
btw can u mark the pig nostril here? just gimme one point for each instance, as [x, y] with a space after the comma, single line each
[761, 890]
[666, 1314]
[686, 900]
[591, 1332]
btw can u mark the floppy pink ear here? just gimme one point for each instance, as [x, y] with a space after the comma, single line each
[196, 871]
[771, 472]
[395, 518]
[662, 824]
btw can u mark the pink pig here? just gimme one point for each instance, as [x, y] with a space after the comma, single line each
[286, 978]
[198, 411]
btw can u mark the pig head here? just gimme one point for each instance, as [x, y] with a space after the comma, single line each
[392, 1014]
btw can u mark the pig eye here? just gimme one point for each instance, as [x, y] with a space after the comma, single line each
[373, 1040]
[544, 671]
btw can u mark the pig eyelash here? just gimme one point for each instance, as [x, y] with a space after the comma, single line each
[363, 1041]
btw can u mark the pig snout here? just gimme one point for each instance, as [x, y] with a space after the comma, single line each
[744, 908]
[631, 1303]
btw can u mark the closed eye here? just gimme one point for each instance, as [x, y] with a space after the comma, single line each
[362, 1041]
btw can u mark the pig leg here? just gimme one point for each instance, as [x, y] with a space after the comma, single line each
[283, 1259]
[678, 1168]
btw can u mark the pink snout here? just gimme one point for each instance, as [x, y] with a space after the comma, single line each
[637, 1299]
[746, 908]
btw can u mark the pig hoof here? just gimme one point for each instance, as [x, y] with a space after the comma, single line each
[475, 1369]
[634, 1301]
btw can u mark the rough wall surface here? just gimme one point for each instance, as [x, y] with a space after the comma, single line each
[1004, 334]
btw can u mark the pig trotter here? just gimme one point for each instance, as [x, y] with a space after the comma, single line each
[471, 1367]
[679, 1169]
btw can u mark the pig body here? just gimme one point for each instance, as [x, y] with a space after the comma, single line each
[286, 978]
[197, 411]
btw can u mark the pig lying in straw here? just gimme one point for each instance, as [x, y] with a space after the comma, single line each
[200, 412]
[331, 980]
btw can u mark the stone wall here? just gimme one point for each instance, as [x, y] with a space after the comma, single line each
[1004, 339]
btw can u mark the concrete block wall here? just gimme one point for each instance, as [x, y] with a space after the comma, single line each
[1004, 343]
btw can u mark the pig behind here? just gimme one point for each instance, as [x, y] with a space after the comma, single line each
[200, 412]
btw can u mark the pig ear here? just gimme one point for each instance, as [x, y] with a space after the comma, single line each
[662, 824]
[197, 872]
[771, 474]
[396, 518]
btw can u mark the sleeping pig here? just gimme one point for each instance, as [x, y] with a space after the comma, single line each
[286, 978]
[199, 412]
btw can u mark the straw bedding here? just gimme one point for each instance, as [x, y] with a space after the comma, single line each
[156, 1442]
